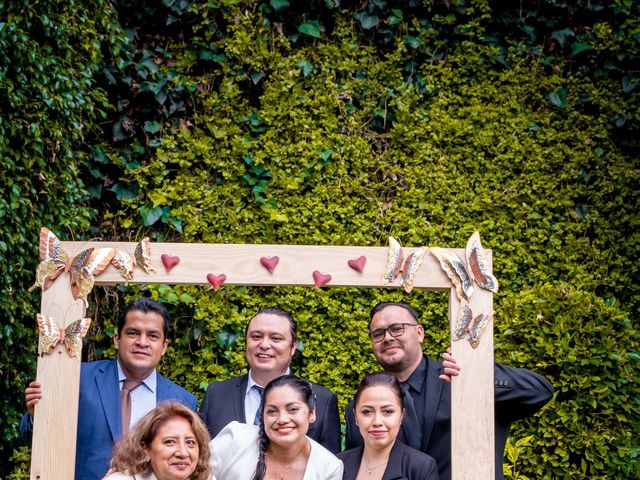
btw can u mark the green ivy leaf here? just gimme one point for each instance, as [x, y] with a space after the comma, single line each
[278, 5]
[577, 48]
[307, 68]
[558, 98]
[368, 21]
[561, 36]
[150, 215]
[151, 127]
[310, 28]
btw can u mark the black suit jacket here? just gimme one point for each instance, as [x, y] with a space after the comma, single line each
[224, 403]
[519, 393]
[405, 463]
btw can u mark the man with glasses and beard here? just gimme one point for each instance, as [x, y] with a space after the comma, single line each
[396, 340]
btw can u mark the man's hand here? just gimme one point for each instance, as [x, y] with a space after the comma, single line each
[32, 395]
[451, 367]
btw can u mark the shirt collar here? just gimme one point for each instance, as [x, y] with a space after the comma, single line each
[150, 381]
[251, 382]
[416, 379]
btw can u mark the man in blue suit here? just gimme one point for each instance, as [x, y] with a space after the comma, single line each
[140, 343]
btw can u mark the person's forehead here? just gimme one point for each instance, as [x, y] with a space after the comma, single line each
[267, 323]
[146, 320]
[391, 314]
[283, 395]
[379, 395]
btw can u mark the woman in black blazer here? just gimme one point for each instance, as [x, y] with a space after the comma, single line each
[379, 407]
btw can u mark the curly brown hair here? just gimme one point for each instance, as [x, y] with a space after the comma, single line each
[129, 454]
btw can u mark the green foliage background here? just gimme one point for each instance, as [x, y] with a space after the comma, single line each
[341, 123]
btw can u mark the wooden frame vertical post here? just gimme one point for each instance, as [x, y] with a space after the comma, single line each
[472, 397]
[54, 438]
[56, 414]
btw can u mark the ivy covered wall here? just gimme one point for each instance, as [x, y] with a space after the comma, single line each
[338, 123]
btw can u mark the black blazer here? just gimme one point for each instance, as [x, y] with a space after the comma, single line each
[224, 403]
[519, 393]
[405, 463]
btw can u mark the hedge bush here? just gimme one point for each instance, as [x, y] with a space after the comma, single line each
[336, 124]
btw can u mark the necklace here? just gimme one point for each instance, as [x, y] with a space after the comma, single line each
[370, 469]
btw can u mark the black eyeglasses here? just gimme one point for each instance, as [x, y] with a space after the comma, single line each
[395, 330]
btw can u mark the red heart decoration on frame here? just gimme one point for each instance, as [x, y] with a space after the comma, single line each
[320, 279]
[358, 263]
[269, 263]
[216, 280]
[169, 261]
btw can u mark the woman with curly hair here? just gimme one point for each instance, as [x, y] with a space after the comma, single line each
[278, 448]
[168, 443]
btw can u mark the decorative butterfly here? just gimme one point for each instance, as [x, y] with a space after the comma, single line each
[51, 334]
[397, 264]
[82, 267]
[476, 270]
[124, 262]
[469, 326]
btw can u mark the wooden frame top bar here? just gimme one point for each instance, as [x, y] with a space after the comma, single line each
[241, 264]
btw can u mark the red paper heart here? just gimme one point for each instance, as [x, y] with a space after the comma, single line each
[216, 280]
[169, 261]
[269, 263]
[358, 263]
[320, 279]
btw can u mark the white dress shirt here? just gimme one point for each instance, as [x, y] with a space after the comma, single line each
[143, 398]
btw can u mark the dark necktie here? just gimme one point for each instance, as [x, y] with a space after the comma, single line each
[411, 429]
[125, 402]
[258, 417]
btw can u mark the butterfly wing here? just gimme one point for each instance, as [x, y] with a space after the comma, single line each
[84, 266]
[410, 267]
[142, 255]
[456, 271]
[44, 273]
[98, 261]
[394, 261]
[124, 263]
[463, 320]
[478, 265]
[50, 333]
[73, 335]
[477, 328]
[53, 259]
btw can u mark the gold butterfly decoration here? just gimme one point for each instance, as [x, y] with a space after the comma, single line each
[469, 326]
[396, 264]
[124, 262]
[82, 267]
[463, 275]
[51, 334]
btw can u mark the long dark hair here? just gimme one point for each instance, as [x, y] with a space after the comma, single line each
[379, 379]
[306, 395]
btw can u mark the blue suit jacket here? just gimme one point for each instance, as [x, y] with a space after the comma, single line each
[99, 415]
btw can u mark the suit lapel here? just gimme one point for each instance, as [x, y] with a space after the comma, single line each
[109, 392]
[394, 466]
[238, 397]
[164, 387]
[352, 464]
[432, 399]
